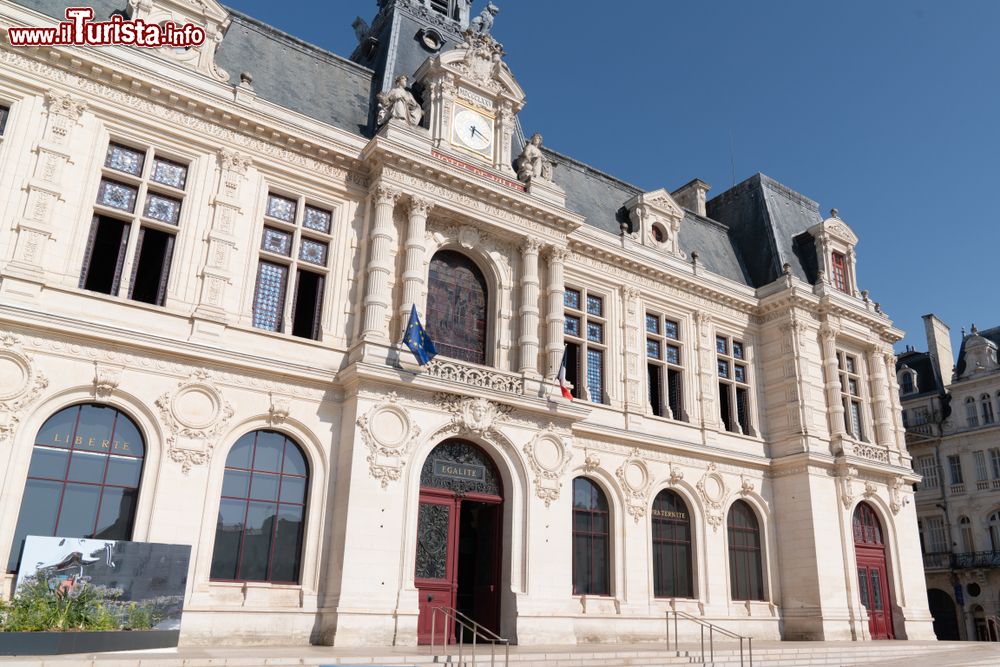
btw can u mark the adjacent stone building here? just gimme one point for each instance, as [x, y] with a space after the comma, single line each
[208, 258]
[952, 429]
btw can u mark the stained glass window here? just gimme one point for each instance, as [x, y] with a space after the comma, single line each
[457, 299]
[313, 252]
[277, 241]
[653, 349]
[737, 349]
[734, 399]
[117, 195]
[595, 305]
[723, 369]
[721, 345]
[739, 373]
[671, 330]
[258, 535]
[673, 354]
[83, 479]
[124, 159]
[281, 208]
[164, 209]
[571, 299]
[652, 324]
[571, 325]
[169, 173]
[269, 302]
[595, 332]
[595, 375]
[317, 219]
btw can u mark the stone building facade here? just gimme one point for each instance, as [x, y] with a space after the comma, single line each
[951, 415]
[208, 257]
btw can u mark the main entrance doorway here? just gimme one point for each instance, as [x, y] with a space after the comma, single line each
[873, 579]
[459, 539]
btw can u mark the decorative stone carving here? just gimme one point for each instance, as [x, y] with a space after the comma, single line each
[483, 23]
[398, 103]
[469, 237]
[209, 15]
[106, 380]
[847, 475]
[633, 474]
[870, 490]
[234, 161]
[548, 457]
[897, 494]
[389, 433]
[712, 488]
[531, 163]
[475, 376]
[20, 384]
[746, 486]
[591, 462]
[194, 414]
[676, 475]
[870, 452]
[477, 415]
[278, 410]
[64, 104]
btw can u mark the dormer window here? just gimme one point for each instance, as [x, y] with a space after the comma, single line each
[839, 265]
[449, 8]
[907, 380]
[907, 385]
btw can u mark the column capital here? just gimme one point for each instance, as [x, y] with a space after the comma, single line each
[234, 161]
[557, 253]
[64, 104]
[531, 245]
[420, 205]
[828, 333]
[385, 194]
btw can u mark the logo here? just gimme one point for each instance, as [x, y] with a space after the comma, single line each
[80, 30]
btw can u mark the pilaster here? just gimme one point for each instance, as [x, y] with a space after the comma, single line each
[634, 353]
[834, 406]
[554, 316]
[413, 269]
[378, 298]
[529, 307]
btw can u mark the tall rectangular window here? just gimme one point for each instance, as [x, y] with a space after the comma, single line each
[664, 366]
[734, 384]
[139, 199]
[995, 461]
[926, 466]
[849, 371]
[294, 259]
[585, 329]
[936, 536]
[982, 472]
[4, 115]
[839, 275]
[955, 469]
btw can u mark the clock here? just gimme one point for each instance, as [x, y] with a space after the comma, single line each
[472, 130]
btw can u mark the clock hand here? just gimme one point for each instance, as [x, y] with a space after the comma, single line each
[473, 130]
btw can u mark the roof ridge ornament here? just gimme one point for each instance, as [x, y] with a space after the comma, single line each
[483, 23]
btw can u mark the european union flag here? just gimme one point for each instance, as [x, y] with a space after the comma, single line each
[417, 340]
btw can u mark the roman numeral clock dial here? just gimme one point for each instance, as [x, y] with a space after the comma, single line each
[472, 131]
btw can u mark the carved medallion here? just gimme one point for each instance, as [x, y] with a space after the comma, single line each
[20, 384]
[194, 415]
[712, 488]
[636, 481]
[389, 433]
[548, 457]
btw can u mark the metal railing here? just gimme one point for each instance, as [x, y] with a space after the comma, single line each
[947, 560]
[460, 625]
[712, 629]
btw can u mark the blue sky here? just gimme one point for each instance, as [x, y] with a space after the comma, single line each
[888, 111]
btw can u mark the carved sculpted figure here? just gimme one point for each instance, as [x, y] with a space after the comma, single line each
[531, 163]
[399, 103]
[484, 22]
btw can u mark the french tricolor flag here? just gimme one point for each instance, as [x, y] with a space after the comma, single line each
[563, 387]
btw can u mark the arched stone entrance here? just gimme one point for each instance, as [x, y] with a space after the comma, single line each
[945, 618]
[459, 538]
[873, 572]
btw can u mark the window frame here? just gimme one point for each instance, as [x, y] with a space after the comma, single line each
[582, 389]
[137, 220]
[671, 546]
[492, 298]
[607, 535]
[733, 387]
[838, 272]
[927, 467]
[857, 426]
[663, 366]
[293, 263]
[736, 587]
[971, 412]
[955, 473]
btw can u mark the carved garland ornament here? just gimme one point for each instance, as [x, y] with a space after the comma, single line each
[475, 415]
[633, 474]
[389, 433]
[194, 414]
[548, 456]
[20, 384]
[712, 488]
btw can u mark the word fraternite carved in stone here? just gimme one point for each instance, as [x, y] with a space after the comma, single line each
[531, 163]
[398, 103]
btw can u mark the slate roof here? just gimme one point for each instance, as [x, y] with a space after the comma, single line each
[751, 231]
[919, 362]
[990, 334]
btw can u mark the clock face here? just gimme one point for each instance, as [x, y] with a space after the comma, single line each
[472, 130]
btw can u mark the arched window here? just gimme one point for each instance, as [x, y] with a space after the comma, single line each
[867, 527]
[746, 575]
[83, 479]
[968, 540]
[258, 536]
[671, 546]
[457, 307]
[906, 382]
[987, 406]
[970, 412]
[591, 539]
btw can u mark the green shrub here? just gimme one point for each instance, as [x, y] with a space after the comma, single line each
[39, 607]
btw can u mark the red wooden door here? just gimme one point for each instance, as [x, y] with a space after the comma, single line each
[874, 589]
[437, 539]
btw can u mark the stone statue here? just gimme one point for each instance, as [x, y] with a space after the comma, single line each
[399, 103]
[484, 22]
[531, 163]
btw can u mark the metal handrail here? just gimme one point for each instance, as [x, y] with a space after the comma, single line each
[465, 623]
[712, 629]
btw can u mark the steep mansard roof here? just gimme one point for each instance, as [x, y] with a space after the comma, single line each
[751, 231]
[921, 364]
[992, 335]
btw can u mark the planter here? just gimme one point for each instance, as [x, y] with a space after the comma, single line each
[56, 643]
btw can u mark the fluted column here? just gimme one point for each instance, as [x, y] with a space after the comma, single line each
[898, 437]
[880, 398]
[378, 298]
[834, 404]
[413, 268]
[529, 306]
[554, 315]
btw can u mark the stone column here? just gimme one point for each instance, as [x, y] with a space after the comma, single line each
[554, 316]
[852, 274]
[707, 371]
[880, 399]
[898, 432]
[378, 297]
[529, 306]
[834, 404]
[413, 269]
[634, 353]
